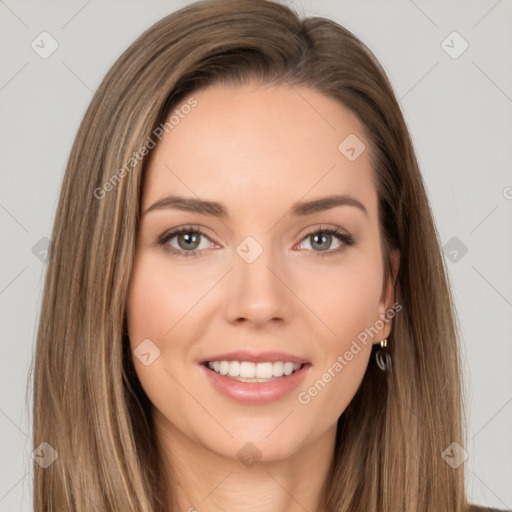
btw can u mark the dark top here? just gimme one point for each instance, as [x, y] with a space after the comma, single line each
[478, 508]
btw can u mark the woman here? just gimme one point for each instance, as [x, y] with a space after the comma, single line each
[246, 306]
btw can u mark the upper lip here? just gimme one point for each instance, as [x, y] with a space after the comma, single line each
[255, 357]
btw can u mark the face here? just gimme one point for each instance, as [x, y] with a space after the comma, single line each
[259, 277]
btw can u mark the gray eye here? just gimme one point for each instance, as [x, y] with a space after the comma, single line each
[188, 240]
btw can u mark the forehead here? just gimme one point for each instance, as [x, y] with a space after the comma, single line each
[252, 146]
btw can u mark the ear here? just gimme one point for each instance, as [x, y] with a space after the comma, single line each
[388, 297]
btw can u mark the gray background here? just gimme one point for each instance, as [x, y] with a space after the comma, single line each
[459, 114]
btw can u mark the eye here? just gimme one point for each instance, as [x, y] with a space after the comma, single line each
[187, 243]
[321, 239]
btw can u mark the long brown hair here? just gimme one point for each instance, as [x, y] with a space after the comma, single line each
[88, 403]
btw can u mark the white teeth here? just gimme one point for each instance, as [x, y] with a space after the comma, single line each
[263, 371]
[288, 368]
[223, 367]
[278, 369]
[248, 370]
[255, 372]
[234, 369]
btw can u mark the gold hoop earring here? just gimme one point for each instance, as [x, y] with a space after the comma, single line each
[383, 357]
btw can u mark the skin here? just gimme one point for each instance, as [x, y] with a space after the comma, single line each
[257, 150]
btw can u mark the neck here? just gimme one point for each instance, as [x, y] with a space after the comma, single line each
[202, 480]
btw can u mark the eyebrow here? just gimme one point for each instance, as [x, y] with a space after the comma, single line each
[219, 210]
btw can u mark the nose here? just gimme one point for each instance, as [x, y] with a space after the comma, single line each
[258, 292]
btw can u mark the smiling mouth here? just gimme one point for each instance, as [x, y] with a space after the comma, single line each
[246, 371]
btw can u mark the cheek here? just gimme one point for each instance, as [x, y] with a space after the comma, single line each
[162, 302]
[155, 304]
[346, 299]
[355, 313]
[147, 306]
[159, 296]
[357, 306]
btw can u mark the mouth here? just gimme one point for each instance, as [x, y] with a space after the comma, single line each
[256, 379]
[247, 371]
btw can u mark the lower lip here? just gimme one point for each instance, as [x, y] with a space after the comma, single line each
[256, 393]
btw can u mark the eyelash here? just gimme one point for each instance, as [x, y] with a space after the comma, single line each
[340, 234]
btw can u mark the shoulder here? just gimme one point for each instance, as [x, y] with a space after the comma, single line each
[478, 508]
